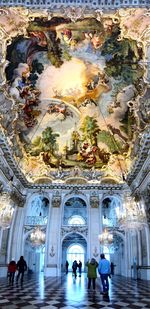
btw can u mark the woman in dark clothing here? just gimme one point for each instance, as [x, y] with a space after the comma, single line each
[21, 267]
[12, 267]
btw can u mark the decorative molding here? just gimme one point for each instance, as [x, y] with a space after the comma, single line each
[74, 229]
[74, 13]
[36, 220]
[75, 191]
[56, 199]
[142, 156]
[90, 4]
[13, 166]
[17, 198]
[1, 187]
[94, 201]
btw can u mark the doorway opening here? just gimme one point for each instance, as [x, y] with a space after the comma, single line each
[75, 252]
[74, 247]
[35, 258]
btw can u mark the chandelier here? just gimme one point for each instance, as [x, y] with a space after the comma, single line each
[132, 224]
[6, 210]
[105, 238]
[132, 217]
[37, 237]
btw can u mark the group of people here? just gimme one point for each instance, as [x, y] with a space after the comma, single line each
[104, 270]
[104, 267]
[75, 265]
[20, 266]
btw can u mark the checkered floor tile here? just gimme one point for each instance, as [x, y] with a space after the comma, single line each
[65, 292]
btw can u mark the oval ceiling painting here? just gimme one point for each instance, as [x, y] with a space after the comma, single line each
[77, 89]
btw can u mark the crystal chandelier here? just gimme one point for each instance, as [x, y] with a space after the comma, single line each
[6, 210]
[105, 238]
[132, 217]
[131, 224]
[37, 237]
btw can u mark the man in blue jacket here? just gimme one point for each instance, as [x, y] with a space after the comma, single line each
[104, 271]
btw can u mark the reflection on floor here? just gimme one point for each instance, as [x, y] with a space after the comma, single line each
[66, 293]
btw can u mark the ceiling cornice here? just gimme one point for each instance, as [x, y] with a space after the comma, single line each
[92, 4]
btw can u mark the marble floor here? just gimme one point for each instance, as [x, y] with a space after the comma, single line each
[66, 292]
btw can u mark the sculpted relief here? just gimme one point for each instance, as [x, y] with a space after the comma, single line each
[72, 90]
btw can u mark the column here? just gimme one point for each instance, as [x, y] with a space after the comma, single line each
[53, 238]
[95, 223]
[47, 234]
[17, 246]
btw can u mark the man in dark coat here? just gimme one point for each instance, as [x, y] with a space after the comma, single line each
[21, 267]
[74, 268]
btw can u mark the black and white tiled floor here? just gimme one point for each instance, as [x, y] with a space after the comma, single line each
[67, 293]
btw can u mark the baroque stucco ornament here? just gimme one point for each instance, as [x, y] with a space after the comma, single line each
[74, 229]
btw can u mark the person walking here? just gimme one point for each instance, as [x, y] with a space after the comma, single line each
[112, 267]
[92, 272]
[104, 271]
[80, 268]
[21, 267]
[74, 268]
[12, 267]
[67, 265]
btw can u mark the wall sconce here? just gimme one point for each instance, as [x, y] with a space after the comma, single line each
[95, 252]
[52, 253]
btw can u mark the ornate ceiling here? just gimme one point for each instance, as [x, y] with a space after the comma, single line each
[74, 95]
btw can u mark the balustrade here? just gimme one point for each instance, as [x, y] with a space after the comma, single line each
[36, 220]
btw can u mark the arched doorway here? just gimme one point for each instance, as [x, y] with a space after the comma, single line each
[75, 252]
[34, 257]
[74, 247]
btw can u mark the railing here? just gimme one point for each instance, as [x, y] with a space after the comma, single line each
[36, 220]
[96, 4]
[136, 271]
[143, 267]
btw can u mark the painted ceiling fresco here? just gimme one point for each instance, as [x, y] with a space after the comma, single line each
[78, 90]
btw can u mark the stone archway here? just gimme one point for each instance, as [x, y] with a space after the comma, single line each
[74, 247]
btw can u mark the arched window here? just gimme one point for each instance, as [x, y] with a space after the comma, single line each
[75, 210]
[76, 220]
